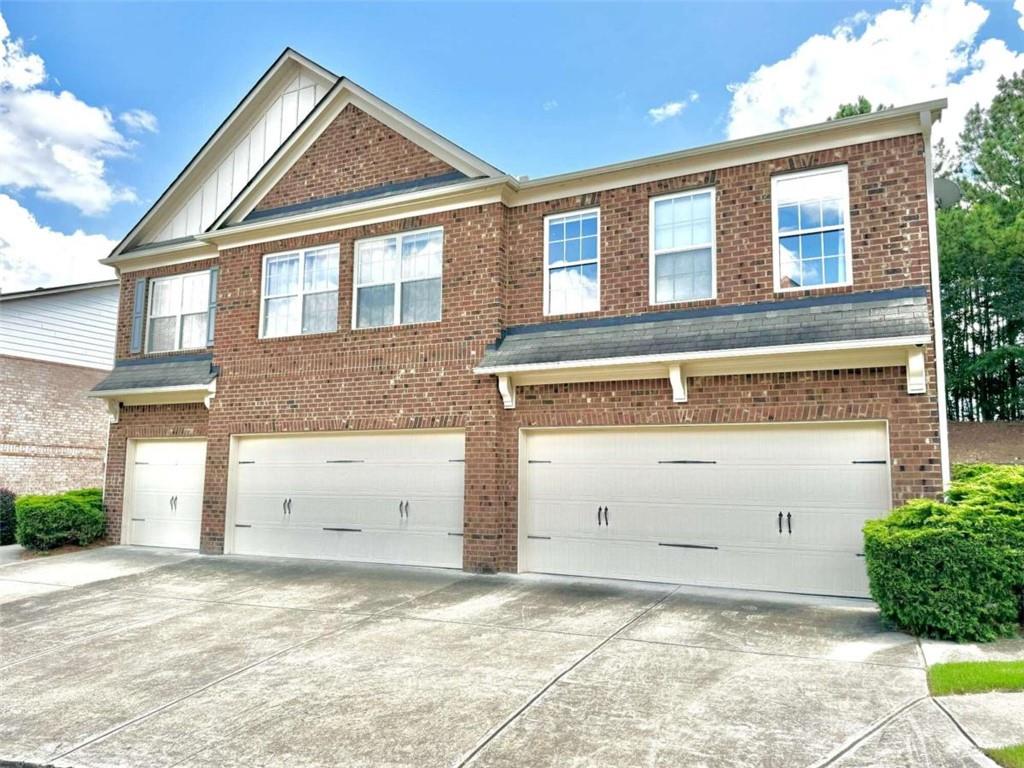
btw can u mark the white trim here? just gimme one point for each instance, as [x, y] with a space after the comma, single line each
[927, 119]
[547, 269]
[398, 237]
[259, 91]
[677, 378]
[680, 357]
[847, 243]
[178, 316]
[653, 252]
[507, 390]
[917, 377]
[109, 394]
[301, 293]
[343, 93]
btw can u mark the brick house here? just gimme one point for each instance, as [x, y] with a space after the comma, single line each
[344, 336]
[56, 344]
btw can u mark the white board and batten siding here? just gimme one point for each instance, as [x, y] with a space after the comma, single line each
[219, 188]
[777, 507]
[73, 325]
[370, 497]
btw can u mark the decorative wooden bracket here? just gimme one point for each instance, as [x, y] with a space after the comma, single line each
[507, 388]
[210, 394]
[917, 379]
[678, 380]
[114, 409]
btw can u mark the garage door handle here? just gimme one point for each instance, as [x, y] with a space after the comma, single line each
[598, 515]
[789, 521]
[289, 506]
[606, 516]
[780, 522]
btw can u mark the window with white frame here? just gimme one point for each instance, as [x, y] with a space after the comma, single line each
[811, 217]
[300, 292]
[179, 312]
[572, 263]
[398, 279]
[683, 247]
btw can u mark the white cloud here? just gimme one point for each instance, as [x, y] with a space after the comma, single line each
[139, 120]
[898, 56]
[694, 96]
[551, 104]
[666, 110]
[1018, 6]
[33, 256]
[53, 142]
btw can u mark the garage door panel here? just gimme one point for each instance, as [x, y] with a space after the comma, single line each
[674, 515]
[396, 495]
[165, 505]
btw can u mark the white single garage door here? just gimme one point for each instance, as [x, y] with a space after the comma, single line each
[776, 507]
[166, 506]
[374, 497]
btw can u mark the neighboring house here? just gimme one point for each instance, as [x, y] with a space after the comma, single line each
[56, 344]
[344, 336]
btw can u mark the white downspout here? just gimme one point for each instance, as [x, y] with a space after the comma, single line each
[933, 246]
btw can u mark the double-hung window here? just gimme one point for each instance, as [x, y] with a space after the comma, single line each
[398, 279]
[179, 312]
[683, 247]
[811, 218]
[300, 292]
[572, 268]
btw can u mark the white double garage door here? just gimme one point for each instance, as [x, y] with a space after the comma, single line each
[777, 507]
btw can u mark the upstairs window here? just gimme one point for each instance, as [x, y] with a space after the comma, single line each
[179, 312]
[398, 279]
[300, 292]
[683, 247]
[811, 218]
[572, 263]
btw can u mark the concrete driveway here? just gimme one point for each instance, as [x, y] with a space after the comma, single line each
[131, 657]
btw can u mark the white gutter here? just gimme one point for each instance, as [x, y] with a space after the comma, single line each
[682, 357]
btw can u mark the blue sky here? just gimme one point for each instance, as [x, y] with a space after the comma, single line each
[533, 88]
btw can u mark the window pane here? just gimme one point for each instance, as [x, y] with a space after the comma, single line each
[321, 270]
[573, 289]
[788, 218]
[166, 297]
[590, 226]
[375, 306]
[810, 246]
[282, 275]
[556, 230]
[834, 243]
[421, 301]
[682, 276]
[572, 251]
[195, 293]
[589, 248]
[832, 271]
[162, 334]
[376, 261]
[810, 215]
[556, 253]
[320, 312]
[811, 272]
[421, 256]
[281, 316]
[683, 222]
[831, 213]
[572, 228]
[193, 330]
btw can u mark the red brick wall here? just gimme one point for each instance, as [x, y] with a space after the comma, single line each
[888, 218]
[355, 152]
[52, 438]
[421, 376]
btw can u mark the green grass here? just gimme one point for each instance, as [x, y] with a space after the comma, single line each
[1008, 757]
[976, 677]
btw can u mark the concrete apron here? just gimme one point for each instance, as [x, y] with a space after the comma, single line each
[171, 659]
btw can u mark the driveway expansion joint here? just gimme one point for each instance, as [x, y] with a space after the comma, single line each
[859, 738]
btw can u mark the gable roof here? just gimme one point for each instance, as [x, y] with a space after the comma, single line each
[346, 92]
[288, 62]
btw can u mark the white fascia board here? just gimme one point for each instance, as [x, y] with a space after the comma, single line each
[343, 93]
[683, 357]
[118, 393]
[184, 250]
[258, 91]
[187, 393]
[419, 203]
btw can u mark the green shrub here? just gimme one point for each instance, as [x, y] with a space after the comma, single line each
[953, 570]
[45, 522]
[6, 516]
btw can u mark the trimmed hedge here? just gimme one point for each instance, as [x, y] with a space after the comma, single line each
[45, 522]
[954, 570]
[7, 498]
